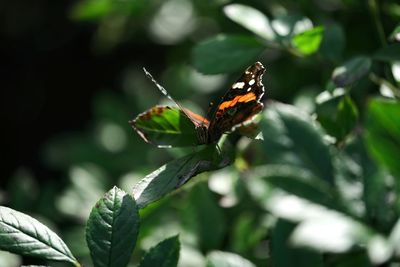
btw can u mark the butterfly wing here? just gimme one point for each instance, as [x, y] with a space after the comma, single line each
[197, 119]
[201, 124]
[165, 126]
[240, 103]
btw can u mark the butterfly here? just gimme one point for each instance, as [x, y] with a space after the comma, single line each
[239, 104]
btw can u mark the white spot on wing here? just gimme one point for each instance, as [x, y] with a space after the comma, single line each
[252, 81]
[238, 85]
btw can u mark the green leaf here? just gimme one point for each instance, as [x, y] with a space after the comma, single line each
[102, 10]
[165, 127]
[296, 181]
[383, 133]
[333, 42]
[351, 71]
[377, 187]
[347, 114]
[202, 211]
[326, 230]
[395, 35]
[291, 137]
[10, 259]
[164, 254]
[176, 173]
[283, 254]
[86, 185]
[394, 237]
[91, 10]
[248, 232]
[389, 53]
[226, 53]
[337, 113]
[227, 259]
[286, 25]
[22, 234]
[250, 18]
[308, 42]
[112, 229]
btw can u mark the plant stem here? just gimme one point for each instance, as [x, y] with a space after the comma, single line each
[373, 7]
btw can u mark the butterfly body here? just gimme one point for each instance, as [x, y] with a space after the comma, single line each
[239, 104]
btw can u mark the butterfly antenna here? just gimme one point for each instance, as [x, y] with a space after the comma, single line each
[163, 90]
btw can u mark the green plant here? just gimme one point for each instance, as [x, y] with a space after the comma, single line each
[320, 182]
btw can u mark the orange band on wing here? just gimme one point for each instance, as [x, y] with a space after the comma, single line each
[240, 98]
[247, 97]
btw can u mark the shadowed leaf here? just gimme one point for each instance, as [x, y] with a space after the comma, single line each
[283, 254]
[164, 254]
[226, 53]
[388, 53]
[333, 42]
[175, 173]
[291, 137]
[351, 71]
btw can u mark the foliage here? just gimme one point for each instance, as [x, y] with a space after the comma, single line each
[316, 185]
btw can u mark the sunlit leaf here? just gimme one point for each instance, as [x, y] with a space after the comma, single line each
[165, 126]
[24, 235]
[396, 71]
[10, 259]
[389, 53]
[227, 259]
[251, 19]
[383, 133]
[164, 254]
[288, 25]
[308, 42]
[112, 229]
[326, 230]
[226, 53]
[395, 35]
[87, 185]
[175, 173]
[291, 137]
[297, 181]
[394, 237]
[351, 71]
